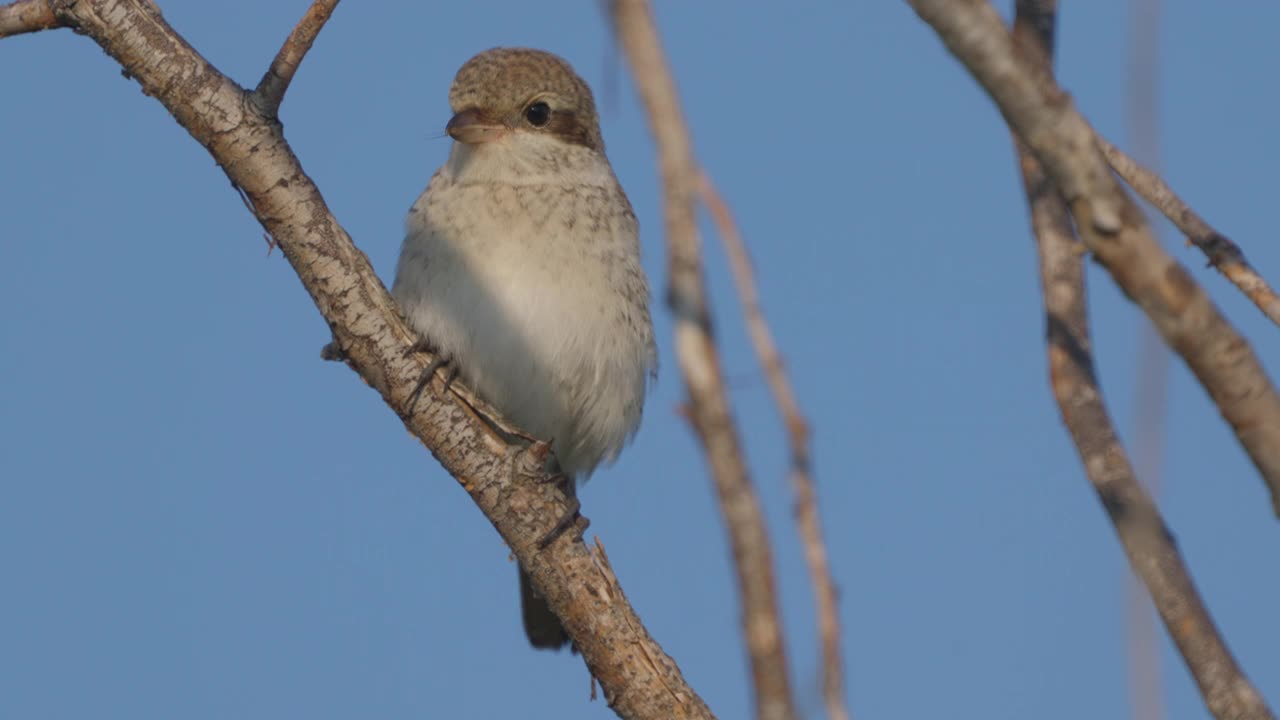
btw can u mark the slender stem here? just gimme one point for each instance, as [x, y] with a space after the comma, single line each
[275, 81]
[1223, 254]
[709, 406]
[808, 519]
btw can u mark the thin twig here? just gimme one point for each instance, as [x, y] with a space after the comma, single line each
[708, 406]
[1222, 253]
[275, 82]
[26, 16]
[1147, 542]
[808, 520]
[1113, 228]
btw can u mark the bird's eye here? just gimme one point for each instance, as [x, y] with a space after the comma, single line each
[538, 114]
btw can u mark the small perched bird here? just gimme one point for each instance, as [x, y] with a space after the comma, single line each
[521, 268]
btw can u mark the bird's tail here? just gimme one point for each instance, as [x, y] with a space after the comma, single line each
[540, 624]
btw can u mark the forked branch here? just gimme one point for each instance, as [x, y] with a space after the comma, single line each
[1224, 255]
[506, 479]
[1147, 541]
[1113, 228]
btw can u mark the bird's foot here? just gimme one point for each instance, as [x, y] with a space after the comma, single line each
[438, 360]
[572, 517]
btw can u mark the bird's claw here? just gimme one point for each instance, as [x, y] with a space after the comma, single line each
[438, 360]
[570, 517]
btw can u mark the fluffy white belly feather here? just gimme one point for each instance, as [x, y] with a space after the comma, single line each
[535, 291]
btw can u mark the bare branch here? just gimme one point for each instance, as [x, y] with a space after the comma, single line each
[506, 479]
[1113, 228]
[275, 82]
[1147, 541]
[696, 352]
[1223, 254]
[808, 519]
[26, 16]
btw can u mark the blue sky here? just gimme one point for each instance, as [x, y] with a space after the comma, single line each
[200, 519]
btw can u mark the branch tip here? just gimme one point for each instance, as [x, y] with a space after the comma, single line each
[275, 82]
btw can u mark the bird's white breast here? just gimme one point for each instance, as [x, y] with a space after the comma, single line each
[526, 271]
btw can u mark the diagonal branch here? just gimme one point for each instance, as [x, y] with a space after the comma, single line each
[506, 479]
[26, 16]
[275, 81]
[808, 519]
[1146, 540]
[1112, 227]
[1223, 254]
[696, 352]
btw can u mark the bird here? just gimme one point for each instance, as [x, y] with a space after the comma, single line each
[520, 268]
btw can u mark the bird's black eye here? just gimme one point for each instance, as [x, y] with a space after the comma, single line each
[538, 114]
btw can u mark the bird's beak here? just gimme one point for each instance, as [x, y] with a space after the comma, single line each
[473, 126]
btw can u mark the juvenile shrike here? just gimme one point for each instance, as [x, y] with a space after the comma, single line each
[521, 267]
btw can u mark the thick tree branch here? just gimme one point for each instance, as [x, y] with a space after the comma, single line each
[507, 481]
[1112, 227]
[808, 519]
[1147, 541]
[1223, 254]
[696, 352]
[275, 82]
[26, 16]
